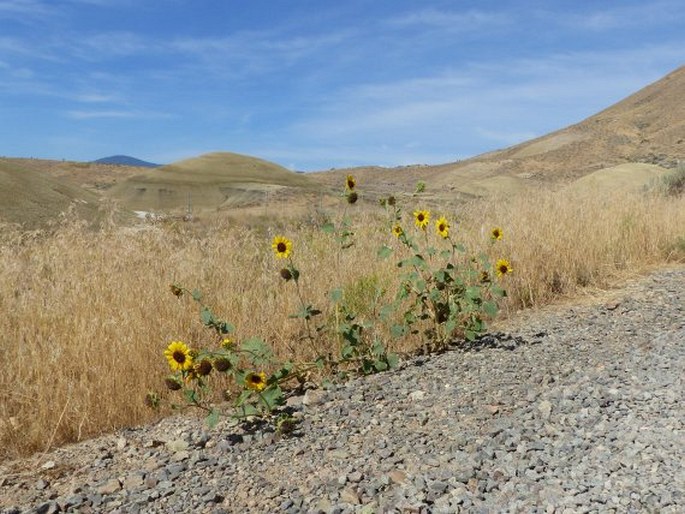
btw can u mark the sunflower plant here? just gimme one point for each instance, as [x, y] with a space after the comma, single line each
[443, 291]
[195, 372]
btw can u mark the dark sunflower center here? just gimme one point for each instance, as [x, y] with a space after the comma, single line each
[179, 356]
[255, 379]
[503, 268]
[421, 217]
[281, 247]
[442, 227]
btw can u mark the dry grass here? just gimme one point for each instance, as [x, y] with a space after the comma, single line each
[87, 315]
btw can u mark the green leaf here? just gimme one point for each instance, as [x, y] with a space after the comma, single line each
[380, 365]
[445, 254]
[490, 308]
[206, 316]
[384, 252]
[212, 419]
[473, 293]
[226, 328]
[498, 291]
[336, 295]
[460, 248]
[272, 396]
[387, 311]
[328, 227]
[347, 351]
[259, 351]
[197, 295]
[398, 330]
[247, 410]
[393, 360]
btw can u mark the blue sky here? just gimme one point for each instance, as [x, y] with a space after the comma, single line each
[314, 84]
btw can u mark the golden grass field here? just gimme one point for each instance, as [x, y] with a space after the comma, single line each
[87, 314]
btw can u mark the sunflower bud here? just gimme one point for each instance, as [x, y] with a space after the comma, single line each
[286, 274]
[175, 290]
[172, 383]
[391, 201]
[352, 197]
[222, 364]
[204, 368]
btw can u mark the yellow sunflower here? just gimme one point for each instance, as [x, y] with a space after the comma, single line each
[496, 234]
[397, 230]
[282, 246]
[443, 227]
[179, 357]
[226, 343]
[503, 267]
[350, 182]
[421, 219]
[256, 381]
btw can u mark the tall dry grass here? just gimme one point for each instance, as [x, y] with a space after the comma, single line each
[86, 315]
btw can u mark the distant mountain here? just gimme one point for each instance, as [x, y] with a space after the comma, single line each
[125, 160]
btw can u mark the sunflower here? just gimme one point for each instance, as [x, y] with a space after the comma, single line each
[179, 357]
[443, 227]
[350, 182]
[421, 219]
[503, 267]
[282, 246]
[397, 230]
[203, 368]
[256, 381]
[226, 343]
[496, 234]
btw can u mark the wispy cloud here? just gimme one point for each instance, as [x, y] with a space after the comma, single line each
[453, 20]
[21, 8]
[114, 114]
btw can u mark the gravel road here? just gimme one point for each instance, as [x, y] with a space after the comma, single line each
[568, 409]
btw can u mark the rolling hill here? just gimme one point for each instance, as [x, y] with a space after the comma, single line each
[33, 199]
[646, 127]
[210, 181]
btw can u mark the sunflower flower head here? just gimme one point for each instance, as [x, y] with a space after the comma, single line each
[222, 364]
[397, 231]
[179, 357]
[203, 368]
[352, 197]
[226, 343]
[496, 234]
[503, 267]
[256, 381]
[443, 227]
[350, 182]
[282, 247]
[421, 219]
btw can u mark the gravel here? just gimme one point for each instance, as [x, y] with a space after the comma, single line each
[568, 409]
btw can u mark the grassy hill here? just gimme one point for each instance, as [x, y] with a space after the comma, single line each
[33, 199]
[647, 127]
[211, 181]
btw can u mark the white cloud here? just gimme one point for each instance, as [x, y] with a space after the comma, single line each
[22, 8]
[114, 114]
[472, 19]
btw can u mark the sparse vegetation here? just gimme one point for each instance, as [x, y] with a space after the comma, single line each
[673, 184]
[87, 315]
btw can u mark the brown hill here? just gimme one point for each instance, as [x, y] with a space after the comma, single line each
[647, 127]
[210, 181]
[33, 198]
